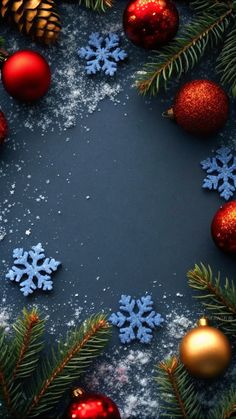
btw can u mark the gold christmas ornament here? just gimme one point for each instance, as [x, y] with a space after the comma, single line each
[36, 18]
[205, 351]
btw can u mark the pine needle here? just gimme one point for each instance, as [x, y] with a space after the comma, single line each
[178, 396]
[227, 62]
[226, 408]
[71, 360]
[97, 5]
[10, 394]
[219, 299]
[27, 343]
[185, 52]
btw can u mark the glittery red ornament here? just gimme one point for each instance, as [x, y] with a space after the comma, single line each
[150, 23]
[223, 227]
[201, 107]
[92, 406]
[26, 75]
[3, 127]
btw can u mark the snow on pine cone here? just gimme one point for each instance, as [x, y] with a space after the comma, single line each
[37, 18]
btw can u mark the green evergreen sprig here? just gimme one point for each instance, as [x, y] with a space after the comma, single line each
[208, 29]
[227, 62]
[219, 299]
[96, 5]
[180, 399]
[27, 344]
[31, 385]
[226, 408]
[178, 396]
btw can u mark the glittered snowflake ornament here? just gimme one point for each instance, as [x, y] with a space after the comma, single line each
[221, 172]
[32, 269]
[136, 319]
[102, 54]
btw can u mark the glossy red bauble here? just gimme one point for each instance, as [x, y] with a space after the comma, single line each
[93, 406]
[223, 227]
[201, 107]
[26, 75]
[3, 127]
[150, 23]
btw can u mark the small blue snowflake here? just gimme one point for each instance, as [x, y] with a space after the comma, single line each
[137, 315]
[34, 274]
[102, 54]
[221, 171]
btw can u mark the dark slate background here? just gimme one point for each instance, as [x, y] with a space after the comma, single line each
[147, 220]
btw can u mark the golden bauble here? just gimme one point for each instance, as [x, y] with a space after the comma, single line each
[205, 351]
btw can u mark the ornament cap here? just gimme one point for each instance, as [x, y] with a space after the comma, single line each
[169, 113]
[78, 392]
[203, 321]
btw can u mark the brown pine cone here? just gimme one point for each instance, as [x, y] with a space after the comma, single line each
[37, 18]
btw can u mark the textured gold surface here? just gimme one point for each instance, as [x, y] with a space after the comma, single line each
[205, 351]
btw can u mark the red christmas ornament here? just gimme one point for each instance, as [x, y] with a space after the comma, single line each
[201, 107]
[223, 227]
[3, 127]
[150, 23]
[92, 406]
[26, 75]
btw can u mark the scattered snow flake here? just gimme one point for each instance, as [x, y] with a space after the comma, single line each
[28, 232]
[3, 233]
[127, 378]
[138, 315]
[102, 53]
[221, 171]
[177, 325]
[33, 274]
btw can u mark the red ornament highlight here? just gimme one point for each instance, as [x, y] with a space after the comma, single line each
[26, 75]
[201, 107]
[150, 23]
[92, 406]
[3, 127]
[223, 227]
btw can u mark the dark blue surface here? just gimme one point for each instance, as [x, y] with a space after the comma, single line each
[146, 221]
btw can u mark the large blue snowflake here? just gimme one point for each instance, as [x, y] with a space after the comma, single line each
[221, 171]
[33, 269]
[138, 320]
[102, 53]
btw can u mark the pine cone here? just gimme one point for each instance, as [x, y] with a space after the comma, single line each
[37, 18]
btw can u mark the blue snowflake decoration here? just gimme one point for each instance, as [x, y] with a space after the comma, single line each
[221, 171]
[102, 53]
[33, 269]
[138, 320]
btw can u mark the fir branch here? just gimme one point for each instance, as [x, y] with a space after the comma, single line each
[9, 394]
[185, 51]
[227, 62]
[4, 378]
[72, 359]
[226, 408]
[220, 300]
[177, 391]
[97, 5]
[27, 343]
[202, 6]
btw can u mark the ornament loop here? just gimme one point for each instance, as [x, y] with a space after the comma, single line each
[169, 114]
[203, 321]
[78, 392]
